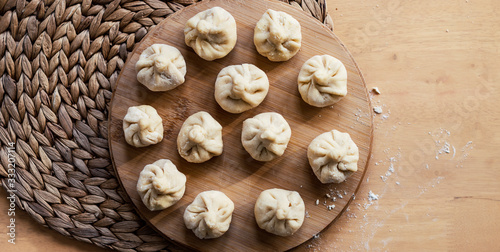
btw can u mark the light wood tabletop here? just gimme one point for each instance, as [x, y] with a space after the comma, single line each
[433, 181]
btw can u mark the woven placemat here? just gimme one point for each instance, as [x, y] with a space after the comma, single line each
[59, 64]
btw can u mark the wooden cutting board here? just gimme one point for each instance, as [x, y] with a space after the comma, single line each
[234, 172]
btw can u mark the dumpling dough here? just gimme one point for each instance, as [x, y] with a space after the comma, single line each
[161, 185]
[277, 36]
[333, 156]
[280, 212]
[211, 33]
[239, 88]
[265, 136]
[322, 81]
[200, 138]
[209, 216]
[142, 126]
[161, 68]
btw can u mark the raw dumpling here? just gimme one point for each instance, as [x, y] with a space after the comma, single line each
[211, 33]
[239, 88]
[161, 185]
[209, 216]
[142, 126]
[161, 68]
[265, 136]
[322, 81]
[333, 156]
[200, 138]
[279, 211]
[277, 36]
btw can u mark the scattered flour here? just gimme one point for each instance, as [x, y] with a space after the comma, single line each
[465, 153]
[392, 160]
[360, 116]
[391, 168]
[443, 147]
[372, 196]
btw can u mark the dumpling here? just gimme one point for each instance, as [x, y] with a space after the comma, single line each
[161, 185]
[161, 68]
[142, 126]
[333, 156]
[322, 81]
[280, 212]
[200, 138]
[210, 214]
[211, 33]
[265, 136]
[239, 88]
[277, 36]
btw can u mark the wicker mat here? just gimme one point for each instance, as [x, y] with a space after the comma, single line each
[59, 64]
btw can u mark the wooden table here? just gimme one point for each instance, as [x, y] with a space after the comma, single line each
[437, 66]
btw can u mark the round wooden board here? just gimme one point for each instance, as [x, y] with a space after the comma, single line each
[234, 172]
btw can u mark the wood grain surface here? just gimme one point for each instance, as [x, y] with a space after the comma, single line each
[430, 80]
[235, 173]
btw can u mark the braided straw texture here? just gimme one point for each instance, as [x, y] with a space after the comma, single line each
[59, 61]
